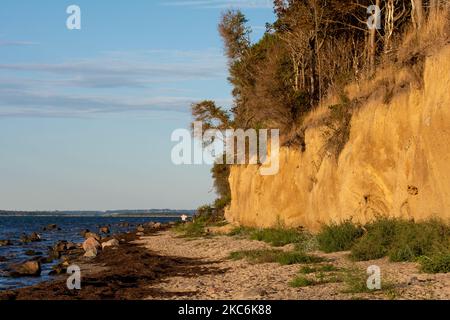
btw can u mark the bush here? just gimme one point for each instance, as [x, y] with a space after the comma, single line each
[193, 229]
[401, 240]
[338, 237]
[439, 263]
[241, 231]
[278, 237]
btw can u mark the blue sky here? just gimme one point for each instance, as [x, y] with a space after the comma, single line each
[86, 115]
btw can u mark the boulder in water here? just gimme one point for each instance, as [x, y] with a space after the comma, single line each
[105, 230]
[34, 237]
[30, 268]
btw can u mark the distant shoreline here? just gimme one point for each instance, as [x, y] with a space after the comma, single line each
[172, 215]
[124, 213]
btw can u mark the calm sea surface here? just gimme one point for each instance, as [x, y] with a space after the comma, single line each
[11, 228]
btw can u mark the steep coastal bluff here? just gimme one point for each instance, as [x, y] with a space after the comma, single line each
[396, 162]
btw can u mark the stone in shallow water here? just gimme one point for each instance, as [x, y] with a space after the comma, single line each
[34, 237]
[27, 269]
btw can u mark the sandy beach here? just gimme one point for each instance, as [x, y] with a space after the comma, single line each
[162, 265]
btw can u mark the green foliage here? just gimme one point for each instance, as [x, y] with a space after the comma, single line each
[274, 255]
[355, 281]
[241, 232]
[221, 174]
[235, 33]
[278, 237]
[206, 216]
[211, 116]
[338, 237]
[193, 229]
[438, 263]
[300, 282]
[402, 240]
[322, 268]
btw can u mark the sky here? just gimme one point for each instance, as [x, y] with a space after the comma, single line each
[86, 115]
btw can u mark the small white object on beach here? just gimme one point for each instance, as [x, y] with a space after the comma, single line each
[184, 218]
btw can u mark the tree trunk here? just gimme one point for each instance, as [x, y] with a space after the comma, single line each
[313, 66]
[373, 43]
[389, 25]
[417, 14]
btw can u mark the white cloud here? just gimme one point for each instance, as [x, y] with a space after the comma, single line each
[116, 82]
[6, 43]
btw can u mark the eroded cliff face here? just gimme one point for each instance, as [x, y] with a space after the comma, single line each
[396, 162]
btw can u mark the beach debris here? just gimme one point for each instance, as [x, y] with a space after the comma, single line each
[34, 237]
[184, 218]
[4, 243]
[105, 230]
[111, 243]
[30, 268]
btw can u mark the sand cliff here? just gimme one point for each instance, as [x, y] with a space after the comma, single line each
[396, 162]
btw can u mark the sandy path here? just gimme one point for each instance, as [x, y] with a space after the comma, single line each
[243, 280]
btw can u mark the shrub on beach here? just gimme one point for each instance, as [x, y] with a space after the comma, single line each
[401, 240]
[339, 237]
[438, 263]
[278, 237]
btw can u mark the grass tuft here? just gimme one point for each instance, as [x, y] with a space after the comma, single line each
[401, 240]
[439, 263]
[339, 237]
[273, 255]
[301, 281]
